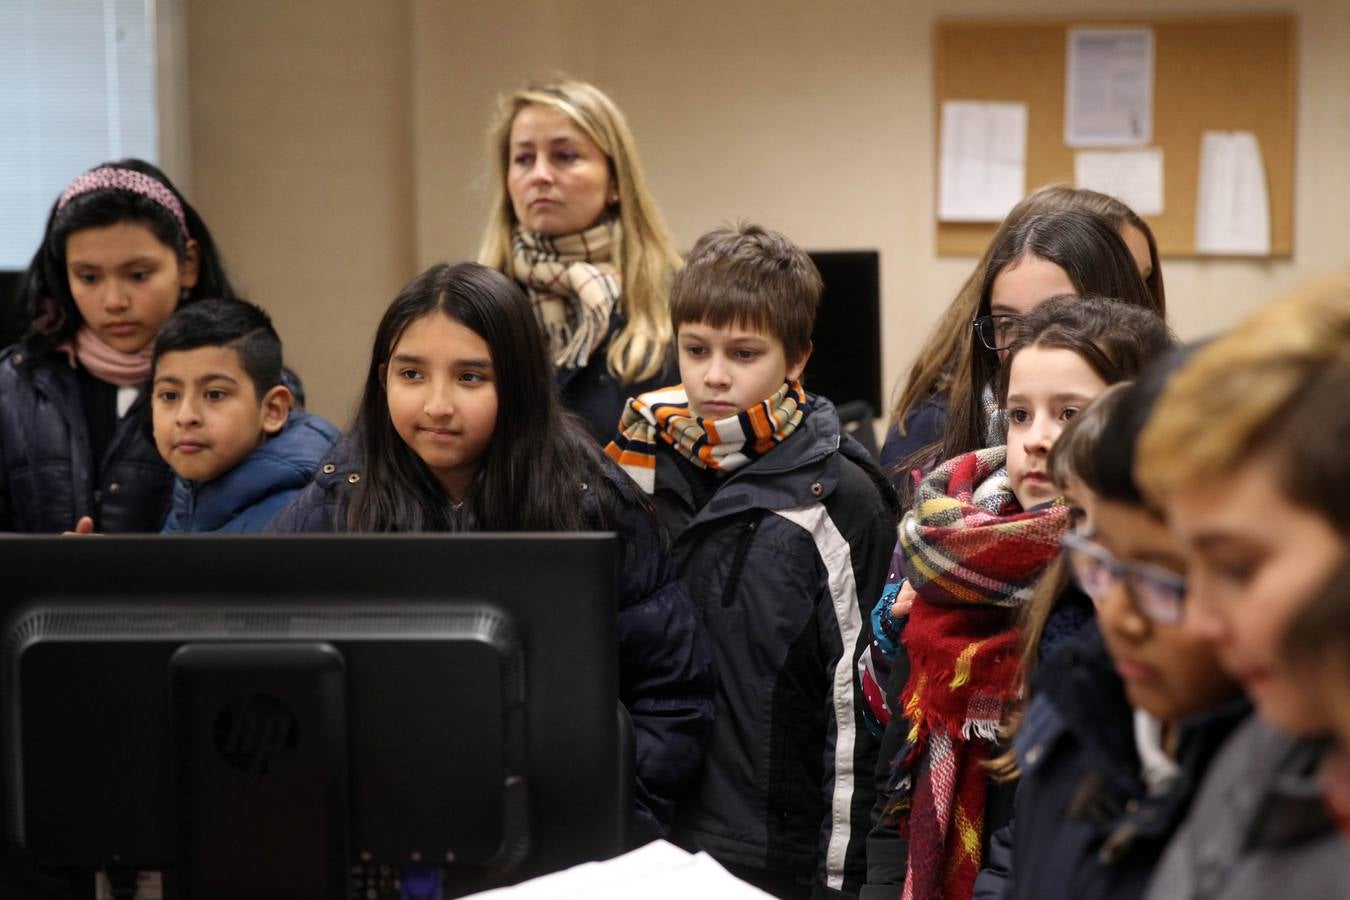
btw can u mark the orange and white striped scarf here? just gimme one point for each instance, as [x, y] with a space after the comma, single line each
[723, 445]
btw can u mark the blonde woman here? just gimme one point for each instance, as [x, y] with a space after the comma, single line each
[572, 222]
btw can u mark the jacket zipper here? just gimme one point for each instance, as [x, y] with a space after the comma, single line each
[738, 562]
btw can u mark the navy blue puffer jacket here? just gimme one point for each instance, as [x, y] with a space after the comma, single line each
[1085, 825]
[48, 476]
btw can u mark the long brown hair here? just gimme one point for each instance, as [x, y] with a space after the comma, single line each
[1096, 261]
[947, 349]
[529, 475]
[938, 359]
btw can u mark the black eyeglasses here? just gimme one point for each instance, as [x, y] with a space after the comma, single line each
[997, 332]
[1156, 594]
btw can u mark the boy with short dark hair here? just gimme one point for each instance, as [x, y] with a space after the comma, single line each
[783, 530]
[223, 421]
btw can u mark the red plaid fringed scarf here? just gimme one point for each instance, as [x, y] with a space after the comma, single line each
[974, 556]
[721, 444]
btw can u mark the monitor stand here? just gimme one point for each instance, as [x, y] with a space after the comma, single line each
[260, 742]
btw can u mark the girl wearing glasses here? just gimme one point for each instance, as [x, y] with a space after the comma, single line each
[984, 529]
[1068, 252]
[1125, 716]
[1057, 241]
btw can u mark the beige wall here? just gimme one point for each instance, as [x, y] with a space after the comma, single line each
[337, 147]
[301, 143]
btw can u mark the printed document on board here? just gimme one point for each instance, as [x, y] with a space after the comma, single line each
[1232, 207]
[1134, 177]
[1109, 96]
[982, 172]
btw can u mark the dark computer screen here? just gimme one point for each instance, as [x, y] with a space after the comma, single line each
[845, 363]
[257, 716]
[13, 317]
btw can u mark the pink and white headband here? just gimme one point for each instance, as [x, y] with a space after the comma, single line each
[110, 178]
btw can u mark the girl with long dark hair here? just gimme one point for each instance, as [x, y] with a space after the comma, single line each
[1067, 251]
[459, 429]
[920, 415]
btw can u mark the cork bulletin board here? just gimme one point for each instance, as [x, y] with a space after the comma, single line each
[1229, 73]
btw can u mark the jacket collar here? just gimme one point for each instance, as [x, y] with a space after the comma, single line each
[284, 462]
[1292, 810]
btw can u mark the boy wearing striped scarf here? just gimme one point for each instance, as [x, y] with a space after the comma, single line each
[783, 528]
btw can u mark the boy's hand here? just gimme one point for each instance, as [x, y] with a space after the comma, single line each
[904, 601]
[84, 526]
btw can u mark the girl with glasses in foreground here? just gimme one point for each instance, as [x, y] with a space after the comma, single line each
[1246, 455]
[1126, 715]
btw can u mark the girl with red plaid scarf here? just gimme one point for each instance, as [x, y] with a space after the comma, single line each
[984, 527]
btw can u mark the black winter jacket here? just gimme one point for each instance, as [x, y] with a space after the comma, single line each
[666, 674]
[785, 561]
[599, 396]
[924, 425]
[1083, 823]
[48, 476]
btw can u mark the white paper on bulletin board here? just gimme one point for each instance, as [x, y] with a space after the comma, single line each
[1134, 177]
[1232, 205]
[982, 172]
[1108, 101]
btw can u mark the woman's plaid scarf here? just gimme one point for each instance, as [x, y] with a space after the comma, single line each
[572, 285]
[973, 556]
[720, 444]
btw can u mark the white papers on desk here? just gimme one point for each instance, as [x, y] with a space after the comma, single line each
[1109, 100]
[983, 168]
[1232, 208]
[658, 871]
[1134, 177]
[149, 886]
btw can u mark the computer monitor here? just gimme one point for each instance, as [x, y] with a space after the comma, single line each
[845, 362]
[255, 716]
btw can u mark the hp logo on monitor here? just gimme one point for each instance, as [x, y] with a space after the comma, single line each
[253, 732]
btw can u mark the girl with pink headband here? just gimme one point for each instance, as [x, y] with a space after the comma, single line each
[121, 251]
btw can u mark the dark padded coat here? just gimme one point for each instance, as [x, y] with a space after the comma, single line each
[785, 561]
[48, 476]
[924, 425]
[666, 675]
[598, 396]
[1083, 823]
